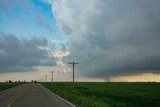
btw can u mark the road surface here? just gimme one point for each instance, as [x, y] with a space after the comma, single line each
[30, 95]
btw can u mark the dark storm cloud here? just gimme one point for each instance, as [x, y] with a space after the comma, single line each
[23, 54]
[111, 37]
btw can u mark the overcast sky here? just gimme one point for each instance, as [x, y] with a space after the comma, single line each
[113, 40]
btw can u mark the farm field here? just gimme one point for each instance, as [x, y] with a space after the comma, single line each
[108, 94]
[4, 86]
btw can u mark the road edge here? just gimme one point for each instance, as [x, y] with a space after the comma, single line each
[10, 88]
[14, 100]
[67, 102]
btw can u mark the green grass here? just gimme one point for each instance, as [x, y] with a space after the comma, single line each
[4, 86]
[108, 94]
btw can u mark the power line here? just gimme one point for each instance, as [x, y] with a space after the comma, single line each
[129, 38]
[142, 43]
[148, 28]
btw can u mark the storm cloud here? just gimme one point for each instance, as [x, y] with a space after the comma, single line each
[19, 55]
[110, 38]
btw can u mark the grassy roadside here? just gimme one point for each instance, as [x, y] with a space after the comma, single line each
[108, 94]
[4, 86]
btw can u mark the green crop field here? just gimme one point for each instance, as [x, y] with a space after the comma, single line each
[4, 86]
[108, 94]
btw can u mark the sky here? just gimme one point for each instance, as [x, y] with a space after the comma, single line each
[111, 40]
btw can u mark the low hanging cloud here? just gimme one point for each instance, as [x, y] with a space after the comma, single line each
[110, 38]
[20, 55]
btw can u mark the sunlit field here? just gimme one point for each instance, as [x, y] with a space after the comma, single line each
[108, 94]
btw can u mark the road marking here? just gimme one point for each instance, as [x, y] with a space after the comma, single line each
[59, 97]
[13, 101]
[9, 105]
[10, 90]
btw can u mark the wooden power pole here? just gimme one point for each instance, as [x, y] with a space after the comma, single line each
[45, 78]
[52, 76]
[73, 63]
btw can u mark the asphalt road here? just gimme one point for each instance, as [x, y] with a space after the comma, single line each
[30, 95]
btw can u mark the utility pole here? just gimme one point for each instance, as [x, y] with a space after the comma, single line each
[73, 63]
[45, 78]
[52, 76]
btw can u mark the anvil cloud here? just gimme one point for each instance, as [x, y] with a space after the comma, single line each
[110, 38]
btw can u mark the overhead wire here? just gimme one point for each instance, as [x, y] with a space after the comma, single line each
[146, 29]
[150, 27]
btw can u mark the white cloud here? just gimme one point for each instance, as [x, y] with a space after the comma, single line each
[61, 54]
[101, 31]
